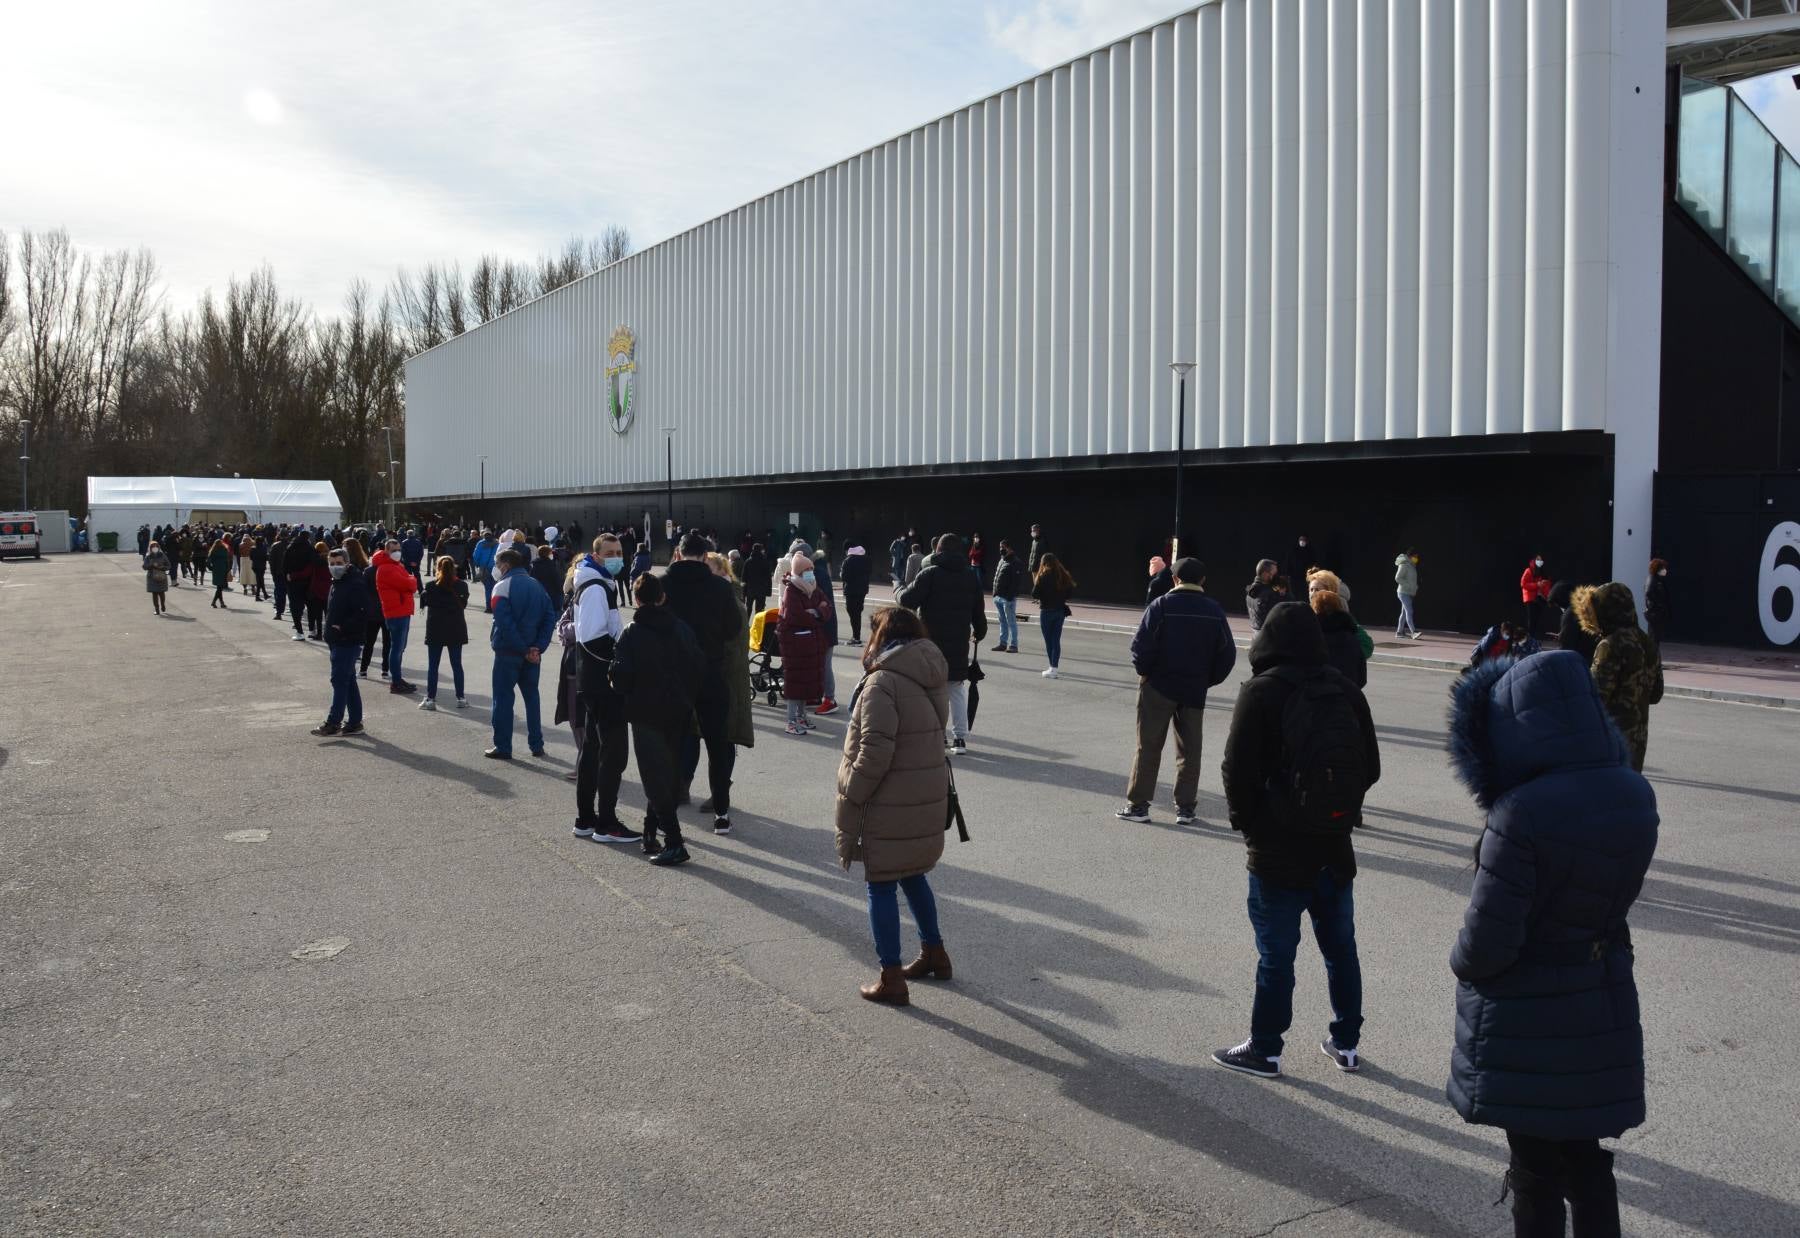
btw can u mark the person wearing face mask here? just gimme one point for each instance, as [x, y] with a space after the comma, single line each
[605, 748]
[801, 632]
[346, 611]
[1406, 585]
[524, 622]
[709, 606]
[1534, 590]
[1656, 599]
[1301, 558]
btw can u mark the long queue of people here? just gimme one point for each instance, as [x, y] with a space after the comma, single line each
[1548, 1043]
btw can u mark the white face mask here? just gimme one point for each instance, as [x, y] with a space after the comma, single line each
[1662, 571]
[1537, 563]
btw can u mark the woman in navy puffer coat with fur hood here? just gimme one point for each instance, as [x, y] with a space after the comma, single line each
[1548, 1043]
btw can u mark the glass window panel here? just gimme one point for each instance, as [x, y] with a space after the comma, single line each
[1700, 170]
[1787, 226]
[1750, 201]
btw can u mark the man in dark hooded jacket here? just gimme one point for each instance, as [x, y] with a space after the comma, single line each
[1183, 649]
[947, 596]
[1294, 780]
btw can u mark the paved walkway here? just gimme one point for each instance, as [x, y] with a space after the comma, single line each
[1753, 677]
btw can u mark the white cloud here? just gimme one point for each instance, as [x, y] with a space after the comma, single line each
[1049, 32]
[339, 140]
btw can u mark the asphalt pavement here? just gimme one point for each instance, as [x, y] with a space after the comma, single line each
[494, 1027]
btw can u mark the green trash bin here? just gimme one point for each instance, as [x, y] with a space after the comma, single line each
[109, 543]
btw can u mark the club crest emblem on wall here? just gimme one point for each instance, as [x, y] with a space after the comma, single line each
[621, 378]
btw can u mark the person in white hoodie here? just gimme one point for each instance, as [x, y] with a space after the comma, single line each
[606, 738]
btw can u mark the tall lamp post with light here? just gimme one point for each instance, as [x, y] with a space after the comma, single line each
[24, 464]
[1181, 369]
[393, 476]
[669, 439]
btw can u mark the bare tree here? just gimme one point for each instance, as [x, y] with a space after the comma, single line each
[615, 243]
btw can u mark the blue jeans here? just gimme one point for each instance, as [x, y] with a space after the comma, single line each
[1052, 626]
[344, 694]
[884, 915]
[1008, 610]
[431, 668]
[487, 592]
[510, 671]
[1406, 624]
[1275, 916]
[397, 630]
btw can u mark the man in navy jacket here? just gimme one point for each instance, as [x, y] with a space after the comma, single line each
[524, 622]
[1183, 648]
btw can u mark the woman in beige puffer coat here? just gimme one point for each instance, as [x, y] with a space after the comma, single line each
[893, 793]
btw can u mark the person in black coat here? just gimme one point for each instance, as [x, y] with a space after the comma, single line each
[708, 605]
[548, 573]
[1549, 1046]
[445, 601]
[854, 577]
[1656, 600]
[657, 667]
[759, 579]
[946, 595]
[1343, 649]
[1260, 596]
[346, 611]
[1009, 582]
[1298, 868]
[1182, 650]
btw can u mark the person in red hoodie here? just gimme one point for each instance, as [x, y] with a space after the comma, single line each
[395, 585]
[1534, 591]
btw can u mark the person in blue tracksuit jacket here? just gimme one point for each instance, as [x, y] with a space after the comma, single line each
[524, 622]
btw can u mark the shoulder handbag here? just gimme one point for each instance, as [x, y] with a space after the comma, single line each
[953, 814]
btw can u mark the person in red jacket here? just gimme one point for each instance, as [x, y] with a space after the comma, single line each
[1534, 591]
[394, 583]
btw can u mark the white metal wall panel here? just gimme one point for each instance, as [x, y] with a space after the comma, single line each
[1366, 219]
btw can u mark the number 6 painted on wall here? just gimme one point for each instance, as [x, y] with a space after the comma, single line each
[1776, 578]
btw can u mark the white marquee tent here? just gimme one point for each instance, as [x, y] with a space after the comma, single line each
[120, 504]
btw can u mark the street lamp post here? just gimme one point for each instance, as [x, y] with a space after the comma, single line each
[24, 464]
[484, 481]
[669, 440]
[1181, 369]
[393, 473]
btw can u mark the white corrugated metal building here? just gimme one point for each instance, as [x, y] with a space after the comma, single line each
[1409, 226]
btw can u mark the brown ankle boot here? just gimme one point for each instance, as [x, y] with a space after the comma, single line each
[889, 990]
[933, 963]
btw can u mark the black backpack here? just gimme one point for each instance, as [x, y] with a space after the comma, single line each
[1319, 789]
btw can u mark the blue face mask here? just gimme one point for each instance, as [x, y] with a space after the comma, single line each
[613, 564]
[808, 577]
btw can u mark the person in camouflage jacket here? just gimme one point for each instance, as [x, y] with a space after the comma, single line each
[1627, 664]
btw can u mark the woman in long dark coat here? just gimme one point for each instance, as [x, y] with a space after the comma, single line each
[219, 560]
[805, 611]
[1548, 1043]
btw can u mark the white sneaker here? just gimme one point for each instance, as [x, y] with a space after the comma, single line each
[1049, 672]
[298, 636]
[462, 702]
[428, 705]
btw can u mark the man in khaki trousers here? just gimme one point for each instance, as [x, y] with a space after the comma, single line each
[1183, 649]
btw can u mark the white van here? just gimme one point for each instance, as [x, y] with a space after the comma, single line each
[19, 535]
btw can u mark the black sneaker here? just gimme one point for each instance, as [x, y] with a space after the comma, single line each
[1134, 812]
[1347, 1060]
[651, 846]
[327, 729]
[354, 728]
[615, 832]
[721, 825]
[494, 754]
[670, 856]
[1247, 1061]
[958, 747]
[1184, 816]
[584, 829]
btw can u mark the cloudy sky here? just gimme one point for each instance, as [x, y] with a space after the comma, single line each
[336, 140]
[339, 140]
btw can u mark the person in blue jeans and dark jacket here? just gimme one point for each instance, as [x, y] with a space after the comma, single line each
[1294, 785]
[346, 611]
[524, 622]
[1549, 1046]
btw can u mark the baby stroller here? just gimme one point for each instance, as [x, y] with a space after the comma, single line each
[765, 654]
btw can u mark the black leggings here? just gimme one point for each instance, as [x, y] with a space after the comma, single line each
[1545, 1172]
[854, 606]
[218, 595]
[658, 764]
[370, 632]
